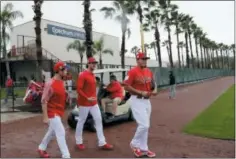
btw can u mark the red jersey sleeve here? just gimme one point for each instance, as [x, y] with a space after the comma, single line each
[129, 79]
[47, 92]
[80, 84]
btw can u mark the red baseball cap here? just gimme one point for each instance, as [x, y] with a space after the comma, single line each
[141, 55]
[58, 66]
[92, 60]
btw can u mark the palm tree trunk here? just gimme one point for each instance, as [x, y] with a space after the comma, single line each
[205, 58]
[191, 49]
[155, 51]
[201, 50]
[218, 60]
[88, 28]
[123, 53]
[168, 51]
[81, 63]
[177, 38]
[140, 14]
[227, 55]
[157, 37]
[187, 52]
[170, 48]
[1, 38]
[100, 60]
[182, 52]
[198, 64]
[222, 58]
[37, 19]
[5, 56]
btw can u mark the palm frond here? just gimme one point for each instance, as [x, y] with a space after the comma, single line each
[108, 11]
[108, 51]
[128, 32]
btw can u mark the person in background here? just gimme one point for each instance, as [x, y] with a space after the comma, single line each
[9, 88]
[69, 87]
[98, 82]
[172, 85]
[116, 95]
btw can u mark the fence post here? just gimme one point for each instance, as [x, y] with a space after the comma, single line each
[13, 98]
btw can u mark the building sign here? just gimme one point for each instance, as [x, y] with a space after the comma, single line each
[65, 32]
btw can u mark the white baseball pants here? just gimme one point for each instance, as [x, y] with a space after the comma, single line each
[56, 128]
[141, 109]
[96, 114]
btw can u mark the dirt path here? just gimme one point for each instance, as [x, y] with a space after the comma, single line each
[21, 138]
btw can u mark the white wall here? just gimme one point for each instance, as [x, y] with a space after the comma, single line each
[57, 44]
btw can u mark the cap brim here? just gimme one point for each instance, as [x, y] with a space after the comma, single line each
[92, 62]
[144, 58]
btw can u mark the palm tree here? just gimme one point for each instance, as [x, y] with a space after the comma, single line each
[120, 10]
[190, 22]
[196, 33]
[38, 41]
[166, 44]
[134, 50]
[138, 7]
[7, 38]
[87, 21]
[232, 47]
[184, 27]
[153, 46]
[80, 48]
[177, 18]
[202, 38]
[152, 21]
[181, 46]
[221, 55]
[99, 48]
[226, 48]
[7, 16]
[146, 47]
[167, 21]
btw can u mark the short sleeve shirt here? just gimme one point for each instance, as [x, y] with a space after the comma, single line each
[139, 79]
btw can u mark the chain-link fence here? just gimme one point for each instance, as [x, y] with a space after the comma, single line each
[187, 75]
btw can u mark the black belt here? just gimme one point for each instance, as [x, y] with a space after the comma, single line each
[141, 97]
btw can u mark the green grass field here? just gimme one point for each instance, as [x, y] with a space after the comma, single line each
[20, 92]
[218, 120]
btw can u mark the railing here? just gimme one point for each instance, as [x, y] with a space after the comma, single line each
[29, 53]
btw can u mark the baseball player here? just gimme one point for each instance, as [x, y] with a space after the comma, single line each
[140, 83]
[53, 105]
[87, 103]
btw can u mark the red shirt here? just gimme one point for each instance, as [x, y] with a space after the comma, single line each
[139, 79]
[54, 95]
[86, 88]
[9, 83]
[115, 89]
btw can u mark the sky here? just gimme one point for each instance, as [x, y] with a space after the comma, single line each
[216, 18]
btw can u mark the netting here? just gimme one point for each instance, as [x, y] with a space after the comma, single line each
[186, 75]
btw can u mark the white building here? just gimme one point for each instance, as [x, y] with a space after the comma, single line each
[56, 36]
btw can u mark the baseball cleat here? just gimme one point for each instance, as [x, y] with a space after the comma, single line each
[80, 146]
[107, 147]
[137, 152]
[150, 154]
[43, 154]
